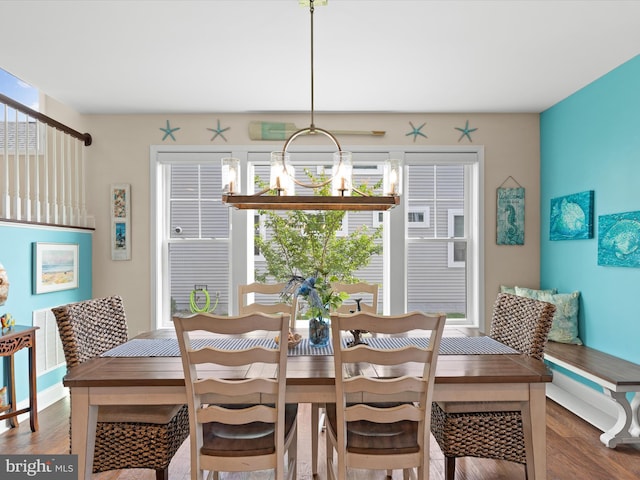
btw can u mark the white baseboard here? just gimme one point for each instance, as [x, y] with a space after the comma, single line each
[591, 405]
[46, 398]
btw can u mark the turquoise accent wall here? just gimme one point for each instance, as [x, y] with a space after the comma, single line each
[16, 255]
[591, 141]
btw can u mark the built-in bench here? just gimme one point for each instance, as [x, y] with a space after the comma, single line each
[618, 419]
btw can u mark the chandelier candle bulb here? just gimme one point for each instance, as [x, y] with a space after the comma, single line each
[342, 174]
[230, 174]
[282, 174]
[393, 177]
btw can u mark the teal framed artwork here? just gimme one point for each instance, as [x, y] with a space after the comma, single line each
[571, 217]
[510, 216]
[619, 240]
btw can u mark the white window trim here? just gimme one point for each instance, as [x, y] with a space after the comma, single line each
[378, 219]
[262, 229]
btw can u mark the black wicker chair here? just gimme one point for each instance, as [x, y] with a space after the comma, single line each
[494, 430]
[140, 436]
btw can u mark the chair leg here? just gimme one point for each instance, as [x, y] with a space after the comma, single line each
[449, 468]
[315, 418]
[162, 474]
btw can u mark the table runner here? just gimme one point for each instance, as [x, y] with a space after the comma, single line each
[168, 347]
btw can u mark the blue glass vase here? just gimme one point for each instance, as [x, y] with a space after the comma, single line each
[319, 333]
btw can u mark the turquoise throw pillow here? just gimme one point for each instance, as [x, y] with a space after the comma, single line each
[533, 293]
[565, 320]
[506, 289]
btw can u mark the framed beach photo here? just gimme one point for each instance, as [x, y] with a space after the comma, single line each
[120, 199]
[55, 267]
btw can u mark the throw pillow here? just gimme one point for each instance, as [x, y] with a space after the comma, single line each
[565, 321]
[506, 289]
[533, 293]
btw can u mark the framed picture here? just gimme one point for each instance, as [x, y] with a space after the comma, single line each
[120, 221]
[510, 216]
[619, 239]
[572, 217]
[55, 267]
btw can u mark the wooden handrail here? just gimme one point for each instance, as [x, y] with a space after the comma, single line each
[85, 137]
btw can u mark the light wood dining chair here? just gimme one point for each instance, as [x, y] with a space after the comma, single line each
[267, 299]
[127, 436]
[387, 434]
[366, 296]
[495, 429]
[253, 428]
[367, 293]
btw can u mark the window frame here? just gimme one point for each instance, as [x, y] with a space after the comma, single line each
[395, 221]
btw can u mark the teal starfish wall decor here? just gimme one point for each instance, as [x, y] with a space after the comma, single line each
[416, 131]
[168, 131]
[466, 131]
[218, 131]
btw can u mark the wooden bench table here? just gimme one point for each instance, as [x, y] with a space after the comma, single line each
[616, 376]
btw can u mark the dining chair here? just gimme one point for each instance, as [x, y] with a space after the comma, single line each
[367, 291]
[266, 300]
[494, 429]
[251, 428]
[127, 436]
[386, 434]
[363, 296]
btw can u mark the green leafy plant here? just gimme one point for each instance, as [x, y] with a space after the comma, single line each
[306, 244]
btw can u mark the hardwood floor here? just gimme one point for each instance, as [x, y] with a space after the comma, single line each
[574, 452]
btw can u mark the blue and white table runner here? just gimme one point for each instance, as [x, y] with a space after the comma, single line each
[168, 347]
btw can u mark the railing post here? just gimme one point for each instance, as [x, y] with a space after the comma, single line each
[6, 199]
[17, 214]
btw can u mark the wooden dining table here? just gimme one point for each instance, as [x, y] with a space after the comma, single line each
[150, 380]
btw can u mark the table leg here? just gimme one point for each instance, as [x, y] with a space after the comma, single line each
[534, 424]
[13, 421]
[315, 428]
[83, 430]
[33, 389]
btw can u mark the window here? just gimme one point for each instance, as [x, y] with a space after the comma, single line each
[199, 241]
[439, 277]
[418, 217]
[192, 234]
[456, 251]
[18, 90]
[378, 219]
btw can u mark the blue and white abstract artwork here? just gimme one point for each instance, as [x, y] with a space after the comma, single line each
[619, 240]
[572, 217]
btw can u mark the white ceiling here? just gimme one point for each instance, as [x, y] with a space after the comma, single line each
[181, 56]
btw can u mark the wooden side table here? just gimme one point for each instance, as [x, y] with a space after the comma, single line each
[11, 340]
